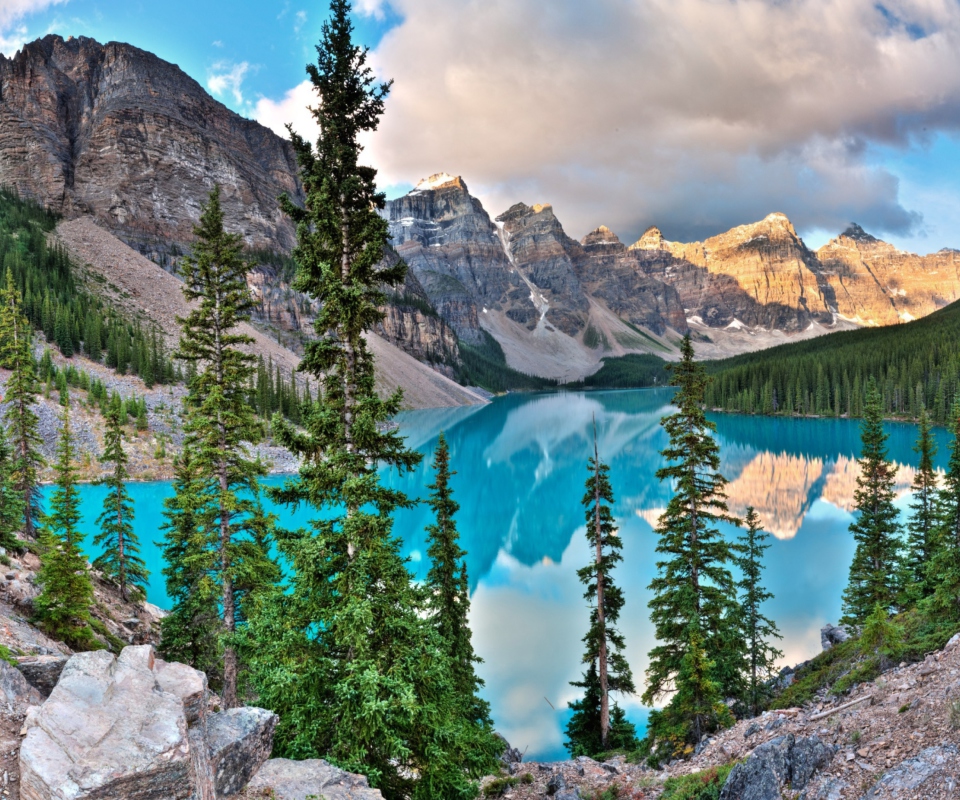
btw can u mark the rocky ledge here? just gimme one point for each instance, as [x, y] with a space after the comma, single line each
[134, 727]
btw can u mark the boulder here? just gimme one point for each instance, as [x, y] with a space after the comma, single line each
[135, 728]
[510, 754]
[556, 783]
[15, 693]
[238, 743]
[907, 777]
[107, 731]
[775, 763]
[282, 779]
[833, 634]
[42, 672]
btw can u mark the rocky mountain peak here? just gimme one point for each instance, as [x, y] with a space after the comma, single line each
[652, 239]
[858, 234]
[602, 236]
[441, 180]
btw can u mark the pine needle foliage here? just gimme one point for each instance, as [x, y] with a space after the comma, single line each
[346, 654]
[11, 501]
[876, 529]
[448, 587]
[694, 596]
[758, 630]
[190, 633]
[583, 729]
[20, 419]
[62, 608]
[120, 560]
[943, 568]
[219, 421]
[924, 518]
[604, 643]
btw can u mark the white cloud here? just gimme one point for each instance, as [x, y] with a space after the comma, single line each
[691, 114]
[13, 33]
[226, 77]
[370, 8]
[217, 43]
[293, 109]
[301, 20]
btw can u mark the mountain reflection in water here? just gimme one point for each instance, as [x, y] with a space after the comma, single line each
[521, 466]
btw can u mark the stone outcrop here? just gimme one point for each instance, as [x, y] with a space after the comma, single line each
[16, 694]
[774, 764]
[42, 672]
[282, 779]
[833, 634]
[113, 131]
[134, 727]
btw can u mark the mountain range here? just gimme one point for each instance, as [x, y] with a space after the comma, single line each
[115, 134]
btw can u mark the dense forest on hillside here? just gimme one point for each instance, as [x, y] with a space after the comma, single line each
[915, 365]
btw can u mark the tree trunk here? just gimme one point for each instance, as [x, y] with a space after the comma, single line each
[601, 620]
[121, 563]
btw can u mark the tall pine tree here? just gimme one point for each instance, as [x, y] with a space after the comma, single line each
[876, 530]
[11, 501]
[63, 606]
[219, 420]
[607, 666]
[448, 586]
[23, 425]
[758, 630]
[120, 561]
[190, 633]
[922, 526]
[693, 607]
[943, 569]
[347, 656]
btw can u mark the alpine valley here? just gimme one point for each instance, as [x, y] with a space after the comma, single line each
[126, 146]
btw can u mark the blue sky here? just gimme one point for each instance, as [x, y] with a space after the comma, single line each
[688, 114]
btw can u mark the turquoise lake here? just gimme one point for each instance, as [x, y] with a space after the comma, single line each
[521, 464]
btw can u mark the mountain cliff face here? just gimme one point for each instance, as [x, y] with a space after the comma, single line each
[874, 283]
[115, 132]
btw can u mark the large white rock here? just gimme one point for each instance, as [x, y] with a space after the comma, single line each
[282, 779]
[108, 730]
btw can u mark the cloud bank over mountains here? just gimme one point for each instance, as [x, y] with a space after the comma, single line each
[694, 115]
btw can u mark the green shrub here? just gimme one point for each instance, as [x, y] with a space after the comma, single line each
[705, 785]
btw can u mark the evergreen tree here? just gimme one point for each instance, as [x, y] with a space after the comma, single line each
[346, 654]
[604, 656]
[922, 526]
[63, 606]
[120, 561]
[693, 591]
[943, 569]
[583, 729]
[758, 629]
[218, 419]
[876, 530]
[190, 633]
[21, 393]
[448, 586]
[11, 501]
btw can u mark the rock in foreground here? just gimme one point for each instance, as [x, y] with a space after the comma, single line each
[281, 779]
[119, 728]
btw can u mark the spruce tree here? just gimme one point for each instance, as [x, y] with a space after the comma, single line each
[922, 526]
[190, 633]
[346, 654]
[694, 602]
[448, 586]
[120, 561]
[876, 530]
[63, 606]
[604, 642]
[11, 501]
[218, 419]
[583, 729]
[21, 393]
[943, 569]
[758, 630]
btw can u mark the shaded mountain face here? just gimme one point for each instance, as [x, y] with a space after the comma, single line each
[117, 133]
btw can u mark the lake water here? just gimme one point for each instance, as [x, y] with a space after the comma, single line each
[521, 464]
